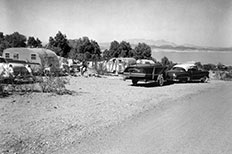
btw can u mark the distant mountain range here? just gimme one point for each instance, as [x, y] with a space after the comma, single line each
[163, 44]
[151, 42]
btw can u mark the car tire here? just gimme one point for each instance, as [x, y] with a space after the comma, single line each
[134, 81]
[185, 80]
[160, 80]
[204, 79]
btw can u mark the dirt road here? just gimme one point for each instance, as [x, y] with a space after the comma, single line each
[108, 115]
[200, 124]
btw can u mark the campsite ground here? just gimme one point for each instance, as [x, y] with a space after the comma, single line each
[50, 123]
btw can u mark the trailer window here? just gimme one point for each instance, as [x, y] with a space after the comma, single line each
[15, 56]
[7, 55]
[33, 56]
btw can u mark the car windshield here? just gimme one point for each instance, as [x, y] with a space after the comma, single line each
[178, 69]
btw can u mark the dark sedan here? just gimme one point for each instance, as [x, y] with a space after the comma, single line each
[187, 72]
[146, 73]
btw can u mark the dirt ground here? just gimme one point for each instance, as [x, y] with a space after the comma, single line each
[50, 123]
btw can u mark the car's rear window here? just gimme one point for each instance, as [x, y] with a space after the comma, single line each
[134, 70]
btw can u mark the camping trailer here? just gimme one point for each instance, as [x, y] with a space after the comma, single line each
[41, 56]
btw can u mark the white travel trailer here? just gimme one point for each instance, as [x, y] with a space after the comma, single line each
[41, 56]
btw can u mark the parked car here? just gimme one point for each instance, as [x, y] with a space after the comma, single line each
[21, 74]
[146, 73]
[186, 73]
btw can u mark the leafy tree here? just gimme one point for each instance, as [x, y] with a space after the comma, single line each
[16, 40]
[106, 54]
[33, 43]
[3, 43]
[221, 67]
[114, 49]
[199, 65]
[125, 49]
[122, 49]
[12, 40]
[97, 51]
[1, 36]
[59, 44]
[85, 49]
[142, 51]
[39, 43]
[166, 62]
[209, 67]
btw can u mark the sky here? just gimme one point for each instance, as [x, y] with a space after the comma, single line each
[198, 22]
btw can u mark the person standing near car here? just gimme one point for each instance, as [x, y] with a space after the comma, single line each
[11, 70]
[11, 73]
[29, 69]
[84, 67]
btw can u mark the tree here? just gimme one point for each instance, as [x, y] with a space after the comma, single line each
[122, 49]
[12, 40]
[125, 49]
[85, 49]
[199, 65]
[3, 43]
[59, 44]
[106, 54]
[221, 67]
[33, 43]
[39, 43]
[209, 67]
[16, 40]
[142, 51]
[1, 36]
[114, 49]
[96, 54]
[165, 61]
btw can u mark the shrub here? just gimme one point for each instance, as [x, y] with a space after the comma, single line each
[52, 84]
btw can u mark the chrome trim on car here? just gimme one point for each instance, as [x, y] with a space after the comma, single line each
[135, 74]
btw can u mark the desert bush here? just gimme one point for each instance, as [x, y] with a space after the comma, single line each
[53, 84]
[221, 75]
[41, 83]
[2, 92]
[44, 84]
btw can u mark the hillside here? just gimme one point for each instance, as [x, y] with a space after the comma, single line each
[163, 44]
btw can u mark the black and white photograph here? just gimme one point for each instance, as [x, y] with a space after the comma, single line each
[115, 77]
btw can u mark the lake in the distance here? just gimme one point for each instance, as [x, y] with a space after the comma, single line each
[205, 57]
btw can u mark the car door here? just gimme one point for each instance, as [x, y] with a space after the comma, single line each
[156, 71]
[149, 72]
[195, 74]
